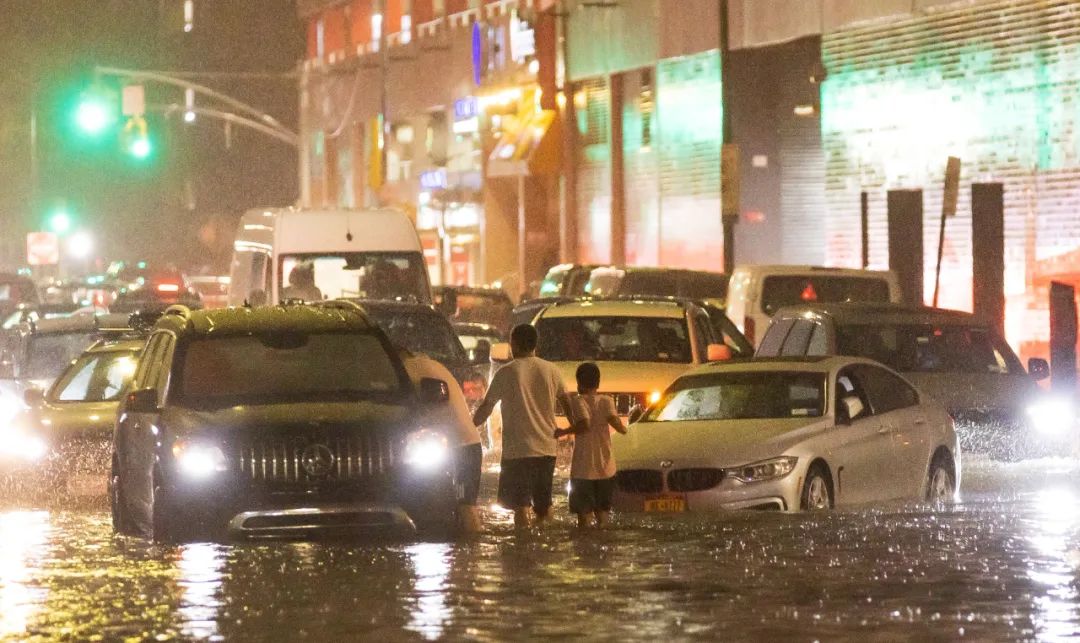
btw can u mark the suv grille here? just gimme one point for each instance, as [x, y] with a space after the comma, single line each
[623, 402]
[640, 481]
[694, 479]
[315, 458]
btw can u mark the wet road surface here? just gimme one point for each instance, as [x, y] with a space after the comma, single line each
[1003, 564]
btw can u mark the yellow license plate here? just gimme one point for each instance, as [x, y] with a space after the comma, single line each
[667, 505]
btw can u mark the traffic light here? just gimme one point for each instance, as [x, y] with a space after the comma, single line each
[137, 138]
[59, 221]
[140, 147]
[94, 114]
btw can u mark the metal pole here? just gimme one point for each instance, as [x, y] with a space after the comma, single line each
[229, 117]
[727, 130]
[940, 252]
[568, 211]
[864, 227]
[304, 157]
[383, 98]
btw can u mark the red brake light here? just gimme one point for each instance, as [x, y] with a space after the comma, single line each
[748, 329]
[168, 287]
[809, 293]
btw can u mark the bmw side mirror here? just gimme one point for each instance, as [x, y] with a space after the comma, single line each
[849, 408]
[144, 400]
[1039, 368]
[636, 413]
[434, 391]
[33, 397]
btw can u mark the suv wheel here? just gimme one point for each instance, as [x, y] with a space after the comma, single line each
[121, 523]
[163, 517]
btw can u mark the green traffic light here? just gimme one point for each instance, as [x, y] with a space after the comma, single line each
[93, 116]
[140, 147]
[60, 222]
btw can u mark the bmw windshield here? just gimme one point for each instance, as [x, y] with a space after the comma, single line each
[757, 395]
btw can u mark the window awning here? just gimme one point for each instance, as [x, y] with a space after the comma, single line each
[531, 148]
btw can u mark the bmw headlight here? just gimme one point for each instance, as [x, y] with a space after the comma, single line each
[1052, 416]
[20, 445]
[771, 469]
[198, 460]
[426, 449]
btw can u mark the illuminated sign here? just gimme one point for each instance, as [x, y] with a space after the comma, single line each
[466, 108]
[522, 39]
[433, 179]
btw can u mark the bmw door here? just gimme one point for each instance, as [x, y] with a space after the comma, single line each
[896, 403]
[859, 444]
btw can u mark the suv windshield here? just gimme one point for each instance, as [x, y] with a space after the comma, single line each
[429, 334]
[47, 355]
[780, 291]
[96, 377]
[284, 367]
[356, 275]
[742, 396]
[913, 348]
[617, 339]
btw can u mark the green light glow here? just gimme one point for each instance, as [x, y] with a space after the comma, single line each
[93, 116]
[60, 222]
[141, 147]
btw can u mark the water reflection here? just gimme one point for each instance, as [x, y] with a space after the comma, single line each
[1054, 567]
[200, 574]
[23, 539]
[431, 565]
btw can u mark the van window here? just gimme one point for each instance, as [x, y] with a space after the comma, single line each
[797, 339]
[774, 337]
[354, 275]
[924, 348]
[788, 290]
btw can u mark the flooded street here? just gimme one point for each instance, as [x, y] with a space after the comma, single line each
[1004, 563]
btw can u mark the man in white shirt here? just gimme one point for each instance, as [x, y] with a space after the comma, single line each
[528, 389]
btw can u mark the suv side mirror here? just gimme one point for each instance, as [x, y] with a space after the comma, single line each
[33, 397]
[434, 391]
[144, 400]
[1039, 368]
[500, 352]
[481, 353]
[849, 408]
[719, 353]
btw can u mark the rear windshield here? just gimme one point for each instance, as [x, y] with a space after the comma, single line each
[285, 367]
[49, 354]
[924, 348]
[789, 290]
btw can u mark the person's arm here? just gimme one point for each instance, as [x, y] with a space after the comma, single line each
[576, 413]
[613, 419]
[483, 411]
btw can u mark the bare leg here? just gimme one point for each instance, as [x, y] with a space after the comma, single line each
[540, 516]
[469, 519]
[521, 518]
[603, 518]
[584, 520]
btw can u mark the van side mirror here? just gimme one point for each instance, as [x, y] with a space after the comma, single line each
[500, 352]
[434, 391]
[144, 400]
[1039, 368]
[33, 397]
[850, 408]
[719, 353]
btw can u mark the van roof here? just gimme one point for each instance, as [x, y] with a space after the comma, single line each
[327, 318]
[783, 269]
[867, 313]
[317, 231]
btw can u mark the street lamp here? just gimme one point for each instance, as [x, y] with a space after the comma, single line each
[80, 245]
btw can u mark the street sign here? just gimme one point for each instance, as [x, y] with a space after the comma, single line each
[42, 249]
[134, 101]
[952, 187]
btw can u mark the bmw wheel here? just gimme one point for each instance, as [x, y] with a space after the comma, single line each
[817, 494]
[941, 486]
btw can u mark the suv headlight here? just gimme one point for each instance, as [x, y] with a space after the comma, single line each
[426, 449]
[770, 469]
[198, 460]
[1052, 415]
[23, 446]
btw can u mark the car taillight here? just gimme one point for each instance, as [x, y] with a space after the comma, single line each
[748, 329]
[168, 287]
[474, 389]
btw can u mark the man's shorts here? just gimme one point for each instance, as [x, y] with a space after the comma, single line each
[527, 481]
[470, 459]
[587, 496]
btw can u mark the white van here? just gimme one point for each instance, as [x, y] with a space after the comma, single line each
[755, 293]
[286, 253]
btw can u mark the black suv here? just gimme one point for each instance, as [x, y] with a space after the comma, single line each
[283, 421]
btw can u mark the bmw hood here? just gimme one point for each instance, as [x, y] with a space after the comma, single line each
[716, 443]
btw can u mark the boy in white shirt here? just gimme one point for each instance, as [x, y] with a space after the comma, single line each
[592, 470]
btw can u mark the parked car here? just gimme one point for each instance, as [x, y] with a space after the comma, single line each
[477, 339]
[419, 328]
[491, 306]
[629, 281]
[951, 356]
[786, 434]
[213, 290]
[62, 441]
[157, 294]
[566, 280]
[755, 293]
[285, 421]
[16, 290]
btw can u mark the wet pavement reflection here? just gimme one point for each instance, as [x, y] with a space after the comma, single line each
[1002, 564]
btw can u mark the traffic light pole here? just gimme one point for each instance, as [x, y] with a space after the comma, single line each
[256, 119]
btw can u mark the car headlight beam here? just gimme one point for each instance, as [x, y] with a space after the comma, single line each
[22, 446]
[198, 460]
[1052, 416]
[771, 469]
[426, 449]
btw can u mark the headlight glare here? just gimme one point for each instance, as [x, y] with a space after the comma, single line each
[771, 469]
[22, 446]
[426, 449]
[1052, 415]
[198, 460]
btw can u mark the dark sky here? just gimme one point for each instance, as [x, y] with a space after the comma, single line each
[180, 207]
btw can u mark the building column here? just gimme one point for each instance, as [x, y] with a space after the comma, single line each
[618, 175]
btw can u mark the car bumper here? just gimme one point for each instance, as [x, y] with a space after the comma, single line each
[729, 495]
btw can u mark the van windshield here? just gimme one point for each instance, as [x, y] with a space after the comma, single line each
[791, 290]
[355, 275]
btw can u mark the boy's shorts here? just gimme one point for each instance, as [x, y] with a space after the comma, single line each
[587, 496]
[527, 481]
[470, 460]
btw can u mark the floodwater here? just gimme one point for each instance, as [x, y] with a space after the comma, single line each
[1002, 564]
